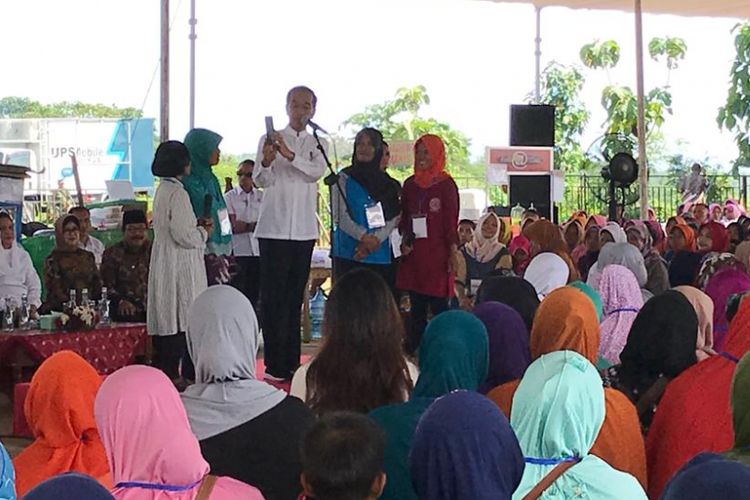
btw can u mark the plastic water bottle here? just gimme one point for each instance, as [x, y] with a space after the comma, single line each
[24, 315]
[317, 307]
[9, 319]
[71, 299]
[104, 308]
[85, 302]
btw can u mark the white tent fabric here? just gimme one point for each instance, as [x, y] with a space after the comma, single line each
[710, 8]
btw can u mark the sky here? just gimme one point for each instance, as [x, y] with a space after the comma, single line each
[476, 58]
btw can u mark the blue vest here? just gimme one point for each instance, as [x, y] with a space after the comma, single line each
[344, 246]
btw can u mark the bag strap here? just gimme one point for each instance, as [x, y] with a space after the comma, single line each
[207, 485]
[547, 480]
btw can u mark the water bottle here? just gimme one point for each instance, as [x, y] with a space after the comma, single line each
[317, 307]
[9, 318]
[72, 299]
[24, 315]
[104, 308]
[85, 302]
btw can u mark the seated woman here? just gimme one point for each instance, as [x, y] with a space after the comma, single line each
[656, 269]
[17, 274]
[69, 267]
[247, 429]
[69, 486]
[480, 257]
[361, 365]
[147, 438]
[125, 269]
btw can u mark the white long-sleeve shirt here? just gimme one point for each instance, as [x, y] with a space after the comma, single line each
[290, 197]
[18, 276]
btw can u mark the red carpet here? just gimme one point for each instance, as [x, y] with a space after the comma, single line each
[260, 371]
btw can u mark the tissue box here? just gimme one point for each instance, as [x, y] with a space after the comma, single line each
[49, 321]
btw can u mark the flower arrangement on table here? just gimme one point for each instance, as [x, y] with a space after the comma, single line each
[78, 318]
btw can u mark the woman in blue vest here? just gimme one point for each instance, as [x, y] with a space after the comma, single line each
[366, 208]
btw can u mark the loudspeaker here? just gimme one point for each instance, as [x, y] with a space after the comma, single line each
[532, 125]
[528, 189]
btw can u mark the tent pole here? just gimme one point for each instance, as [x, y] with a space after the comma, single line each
[164, 73]
[192, 37]
[538, 57]
[642, 159]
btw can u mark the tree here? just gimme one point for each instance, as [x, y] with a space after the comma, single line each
[735, 114]
[23, 107]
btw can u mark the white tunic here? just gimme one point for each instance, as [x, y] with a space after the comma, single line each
[18, 276]
[96, 247]
[178, 273]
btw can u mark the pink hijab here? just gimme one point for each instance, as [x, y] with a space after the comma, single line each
[621, 301]
[704, 309]
[152, 452]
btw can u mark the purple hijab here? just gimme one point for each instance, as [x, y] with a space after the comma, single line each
[509, 344]
[621, 302]
[720, 287]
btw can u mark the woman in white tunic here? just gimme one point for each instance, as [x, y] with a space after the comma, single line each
[177, 274]
[17, 274]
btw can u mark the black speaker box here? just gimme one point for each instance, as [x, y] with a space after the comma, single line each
[528, 189]
[532, 125]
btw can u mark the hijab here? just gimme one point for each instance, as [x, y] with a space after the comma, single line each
[710, 476]
[222, 340]
[546, 272]
[719, 236]
[616, 231]
[70, 486]
[713, 263]
[720, 287]
[464, 447]
[596, 220]
[689, 235]
[508, 344]
[623, 254]
[596, 299]
[147, 436]
[683, 269]
[63, 221]
[60, 411]
[512, 291]
[547, 236]
[485, 249]
[657, 233]
[621, 301]
[704, 309]
[557, 414]
[7, 476]
[436, 172]
[579, 231]
[741, 404]
[378, 184]
[644, 233]
[711, 209]
[520, 242]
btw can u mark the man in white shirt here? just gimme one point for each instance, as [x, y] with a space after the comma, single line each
[289, 170]
[88, 242]
[243, 205]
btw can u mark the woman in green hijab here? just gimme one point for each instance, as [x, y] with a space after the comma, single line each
[453, 355]
[203, 146]
[557, 413]
[741, 412]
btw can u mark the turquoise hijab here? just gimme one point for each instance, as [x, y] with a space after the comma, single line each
[592, 294]
[201, 143]
[558, 411]
[453, 355]
[7, 476]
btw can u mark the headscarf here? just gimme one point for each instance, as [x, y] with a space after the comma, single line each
[645, 234]
[737, 209]
[378, 184]
[510, 290]
[596, 299]
[689, 236]
[70, 486]
[464, 448]
[147, 436]
[558, 412]
[60, 411]
[63, 221]
[657, 233]
[596, 220]
[719, 236]
[436, 172]
[742, 253]
[7, 476]
[508, 344]
[201, 143]
[622, 300]
[548, 238]
[711, 208]
[222, 340]
[661, 343]
[715, 262]
[616, 231]
[453, 355]
[579, 230]
[683, 270]
[704, 309]
[710, 476]
[506, 231]
[520, 242]
[720, 287]
[623, 254]
[546, 272]
[695, 413]
[485, 249]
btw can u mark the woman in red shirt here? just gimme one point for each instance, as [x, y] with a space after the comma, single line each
[429, 230]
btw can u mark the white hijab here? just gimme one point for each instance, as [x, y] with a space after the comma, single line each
[222, 340]
[483, 249]
[547, 272]
[617, 232]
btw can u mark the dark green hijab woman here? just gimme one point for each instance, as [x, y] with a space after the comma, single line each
[741, 412]
[453, 355]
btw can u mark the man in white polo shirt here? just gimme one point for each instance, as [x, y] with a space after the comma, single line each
[243, 205]
[88, 242]
[289, 170]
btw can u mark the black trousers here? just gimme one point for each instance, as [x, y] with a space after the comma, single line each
[169, 352]
[247, 279]
[284, 271]
[386, 271]
[419, 307]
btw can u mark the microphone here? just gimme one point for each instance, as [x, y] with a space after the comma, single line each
[207, 202]
[317, 127]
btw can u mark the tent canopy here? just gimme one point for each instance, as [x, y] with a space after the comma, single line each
[709, 8]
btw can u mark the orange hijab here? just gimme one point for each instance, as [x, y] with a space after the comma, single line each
[436, 172]
[567, 320]
[60, 410]
[689, 234]
[550, 239]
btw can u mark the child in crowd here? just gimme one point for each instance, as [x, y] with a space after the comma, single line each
[466, 229]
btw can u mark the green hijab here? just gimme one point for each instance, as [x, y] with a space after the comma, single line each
[741, 403]
[558, 411]
[201, 143]
[453, 355]
[592, 294]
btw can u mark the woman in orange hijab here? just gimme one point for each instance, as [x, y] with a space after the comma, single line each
[60, 410]
[567, 321]
[547, 237]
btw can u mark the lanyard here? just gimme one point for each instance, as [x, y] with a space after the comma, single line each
[728, 356]
[624, 309]
[156, 486]
[550, 461]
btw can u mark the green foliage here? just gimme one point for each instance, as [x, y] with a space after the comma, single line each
[734, 116]
[23, 107]
[671, 48]
[600, 55]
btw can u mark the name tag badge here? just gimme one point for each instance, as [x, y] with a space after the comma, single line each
[375, 216]
[224, 222]
[419, 227]
[474, 287]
